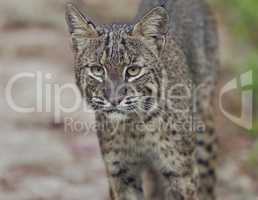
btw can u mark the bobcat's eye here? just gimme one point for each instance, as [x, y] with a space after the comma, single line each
[97, 71]
[133, 71]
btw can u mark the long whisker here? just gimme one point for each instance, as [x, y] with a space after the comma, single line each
[149, 104]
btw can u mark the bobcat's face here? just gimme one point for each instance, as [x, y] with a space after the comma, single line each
[117, 67]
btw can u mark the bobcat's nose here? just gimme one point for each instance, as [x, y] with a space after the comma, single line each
[116, 100]
[116, 96]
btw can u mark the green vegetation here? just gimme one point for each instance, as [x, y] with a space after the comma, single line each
[241, 19]
[253, 159]
[252, 63]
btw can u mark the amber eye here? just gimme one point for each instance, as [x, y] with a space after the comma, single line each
[97, 71]
[134, 71]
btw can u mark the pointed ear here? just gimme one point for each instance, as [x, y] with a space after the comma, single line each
[152, 29]
[80, 27]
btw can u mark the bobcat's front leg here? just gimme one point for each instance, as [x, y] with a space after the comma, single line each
[124, 184]
[179, 176]
[182, 189]
[181, 181]
[171, 186]
[119, 190]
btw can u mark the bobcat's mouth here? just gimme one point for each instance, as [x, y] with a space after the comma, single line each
[114, 110]
[116, 114]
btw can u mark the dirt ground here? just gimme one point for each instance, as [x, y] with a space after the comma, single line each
[41, 159]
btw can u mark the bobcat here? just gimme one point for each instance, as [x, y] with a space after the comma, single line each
[150, 84]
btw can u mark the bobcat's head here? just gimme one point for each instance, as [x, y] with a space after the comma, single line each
[118, 67]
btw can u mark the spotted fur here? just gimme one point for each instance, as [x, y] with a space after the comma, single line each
[140, 80]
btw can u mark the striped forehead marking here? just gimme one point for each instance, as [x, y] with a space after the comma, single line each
[114, 53]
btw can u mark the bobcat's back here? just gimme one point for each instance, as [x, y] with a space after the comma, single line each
[193, 27]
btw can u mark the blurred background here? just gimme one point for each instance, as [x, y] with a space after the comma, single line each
[42, 159]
